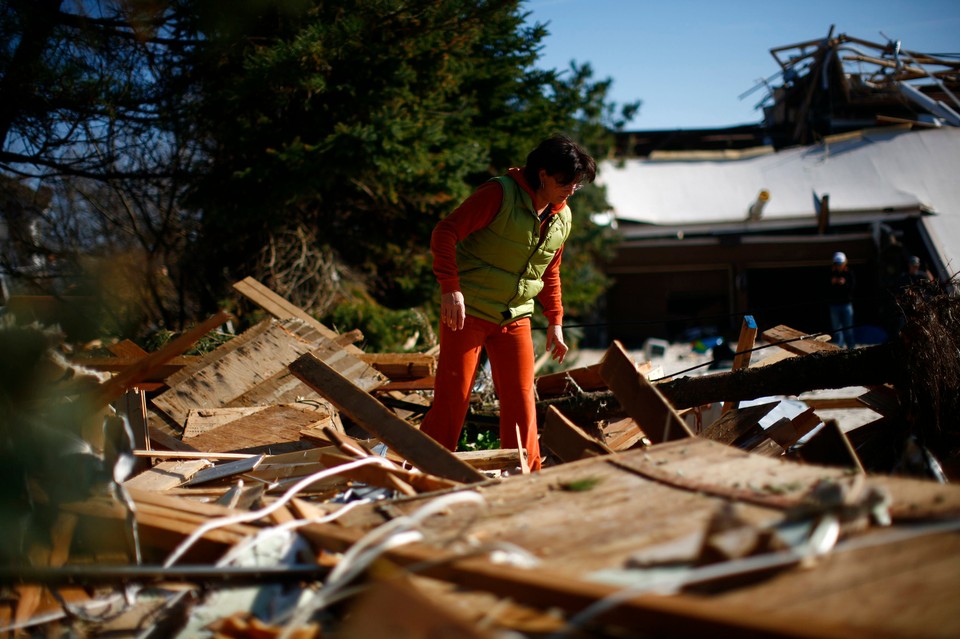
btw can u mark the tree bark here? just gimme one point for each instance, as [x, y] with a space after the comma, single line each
[868, 366]
[16, 86]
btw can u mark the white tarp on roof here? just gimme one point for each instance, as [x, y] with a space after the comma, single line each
[876, 170]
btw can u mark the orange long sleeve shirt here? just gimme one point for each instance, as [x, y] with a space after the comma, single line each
[475, 213]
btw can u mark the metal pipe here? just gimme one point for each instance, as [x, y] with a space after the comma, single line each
[80, 575]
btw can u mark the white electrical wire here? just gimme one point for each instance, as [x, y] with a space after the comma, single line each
[254, 515]
[821, 542]
[394, 533]
[263, 535]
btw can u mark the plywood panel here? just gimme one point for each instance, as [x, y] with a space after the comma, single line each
[585, 520]
[271, 429]
[231, 375]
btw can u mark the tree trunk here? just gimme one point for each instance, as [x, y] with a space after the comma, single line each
[869, 366]
[16, 86]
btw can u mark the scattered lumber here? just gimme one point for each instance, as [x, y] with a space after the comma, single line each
[419, 449]
[643, 492]
[736, 422]
[272, 429]
[252, 367]
[282, 309]
[130, 376]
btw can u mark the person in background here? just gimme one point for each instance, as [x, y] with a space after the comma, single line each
[914, 274]
[840, 300]
[496, 253]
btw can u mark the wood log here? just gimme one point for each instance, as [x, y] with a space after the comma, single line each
[868, 366]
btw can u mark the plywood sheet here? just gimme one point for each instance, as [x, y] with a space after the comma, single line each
[266, 430]
[231, 375]
[584, 521]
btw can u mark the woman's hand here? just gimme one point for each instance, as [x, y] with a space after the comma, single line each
[452, 310]
[555, 344]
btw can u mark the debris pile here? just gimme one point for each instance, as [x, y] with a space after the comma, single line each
[841, 83]
[279, 487]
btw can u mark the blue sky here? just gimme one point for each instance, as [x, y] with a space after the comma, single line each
[689, 61]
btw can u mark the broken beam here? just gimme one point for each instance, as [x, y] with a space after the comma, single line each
[418, 448]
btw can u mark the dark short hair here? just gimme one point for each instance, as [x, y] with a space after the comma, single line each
[562, 158]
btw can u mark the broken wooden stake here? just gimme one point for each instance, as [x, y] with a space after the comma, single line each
[748, 339]
[568, 441]
[830, 447]
[640, 399]
[418, 448]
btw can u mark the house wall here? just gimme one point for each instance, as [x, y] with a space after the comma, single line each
[670, 289]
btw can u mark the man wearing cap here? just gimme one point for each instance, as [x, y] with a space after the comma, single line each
[915, 275]
[840, 300]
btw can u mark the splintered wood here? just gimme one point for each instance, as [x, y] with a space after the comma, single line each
[252, 368]
[254, 447]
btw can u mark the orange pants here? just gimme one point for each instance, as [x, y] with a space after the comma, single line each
[510, 350]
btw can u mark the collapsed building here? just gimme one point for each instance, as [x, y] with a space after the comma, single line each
[277, 486]
[858, 152]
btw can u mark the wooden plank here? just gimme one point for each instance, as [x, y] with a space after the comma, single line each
[883, 400]
[239, 342]
[796, 341]
[222, 471]
[622, 433]
[404, 481]
[424, 383]
[675, 616]
[767, 448]
[832, 403]
[272, 429]
[128, 377]
[586, 378]
[282, 387]
[230, 375]
[830, 447]
[281, 308]
[165, 475]
[165, 441]
[229, 370]
[639, 398]
[734, 423]
[418, 448]
[872, 443]
[493, 459]
[190, 454]
[787, 433]
[316, 433]
[568, 441]
[396, 608]
[127, 348]
[133, 407]
[116, 364]
[201, 420]
[745, 344]
[398, 366]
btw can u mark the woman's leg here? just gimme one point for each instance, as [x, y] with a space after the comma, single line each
[510, 350]
[456, 370]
